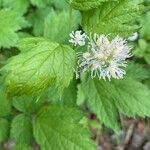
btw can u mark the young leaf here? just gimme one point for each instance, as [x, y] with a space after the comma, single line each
[55, 25]
[40, 64]
[59, 127]
[107, 98]
[4, 130]
[21, 129]
[10, 23]
[112, 18]
[86, 4]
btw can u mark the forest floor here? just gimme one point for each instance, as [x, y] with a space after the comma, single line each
[134, 136]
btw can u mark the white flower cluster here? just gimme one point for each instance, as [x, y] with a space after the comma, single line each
[104, 58]
[77, 38]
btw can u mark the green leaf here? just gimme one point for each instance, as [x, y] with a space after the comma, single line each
[5, 104]
[68, 96]
[143, 50]
[20, 6]
[114, 18]
[101, 102]
[106, 99]
[26, 104]
[147, 57]
[1, 3]
[145, 30]
[22, 147]
[133, 98]
[21, 129]
[4, 130]
[37, 19]
[40, 3]
[55, 25]
[80, 95]
[59, 127]
[86, 4]
[60, 4]
[138, 71]
[40, 64]
[10, 23]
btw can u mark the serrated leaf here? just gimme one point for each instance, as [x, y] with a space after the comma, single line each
[114, 18]
[101, 101]
[133, 98]
[21, 129]
[10, 23]
[20, 6]
[37, 19]
[137, 71]
[26, 104]
[55, 25]
[5, 104]
[58, 125]
[68, 96]
[4, 130]
[40, 64]
[86, 4]
[107, 98]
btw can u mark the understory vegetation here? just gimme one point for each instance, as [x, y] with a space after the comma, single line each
[64, 61]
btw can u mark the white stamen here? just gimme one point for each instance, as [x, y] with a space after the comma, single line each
[105, 58]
